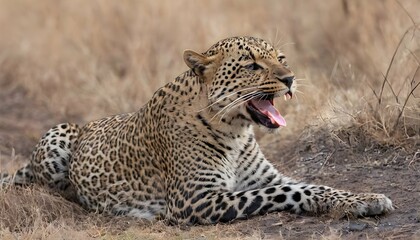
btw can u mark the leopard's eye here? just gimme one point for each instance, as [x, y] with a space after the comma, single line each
[281, 58]
[253, 66]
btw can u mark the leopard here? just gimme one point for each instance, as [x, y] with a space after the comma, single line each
[190, 155]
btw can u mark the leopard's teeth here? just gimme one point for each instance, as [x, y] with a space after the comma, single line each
[285, 97]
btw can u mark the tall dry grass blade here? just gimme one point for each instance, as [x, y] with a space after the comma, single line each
[406, 100]
[385, 80]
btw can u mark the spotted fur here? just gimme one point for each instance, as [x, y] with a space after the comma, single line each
[189, 155]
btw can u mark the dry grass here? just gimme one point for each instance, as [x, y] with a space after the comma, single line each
[83, 60]
[37, 214]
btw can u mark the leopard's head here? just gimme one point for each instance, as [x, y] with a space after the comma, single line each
[242, 76]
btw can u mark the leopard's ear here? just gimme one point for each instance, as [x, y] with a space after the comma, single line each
[202, 66]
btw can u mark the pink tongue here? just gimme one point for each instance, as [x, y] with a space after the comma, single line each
[266, 108]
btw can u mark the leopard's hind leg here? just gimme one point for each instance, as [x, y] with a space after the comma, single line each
[50, 159]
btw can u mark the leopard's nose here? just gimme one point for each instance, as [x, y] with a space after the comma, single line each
[288, 81]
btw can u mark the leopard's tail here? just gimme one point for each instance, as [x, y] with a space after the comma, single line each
[23, 176]
[50, 160]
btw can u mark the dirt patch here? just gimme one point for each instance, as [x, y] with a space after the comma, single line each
[324, 157]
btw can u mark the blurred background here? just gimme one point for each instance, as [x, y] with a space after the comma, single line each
[357, 62]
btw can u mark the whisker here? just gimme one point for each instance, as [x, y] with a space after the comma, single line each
[304, 85]
[276, 37]
[277, 46]
[236, 105]
[229, 107]
[260, 97]
[229, 95]
[285, 44]
[232, 103]
[253, 93]
[300, 92]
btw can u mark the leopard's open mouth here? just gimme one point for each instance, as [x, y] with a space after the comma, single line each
[263, 112]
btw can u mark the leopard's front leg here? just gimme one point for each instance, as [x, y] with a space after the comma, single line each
[204, 206]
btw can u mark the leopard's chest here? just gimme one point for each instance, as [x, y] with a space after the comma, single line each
[231, 163]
